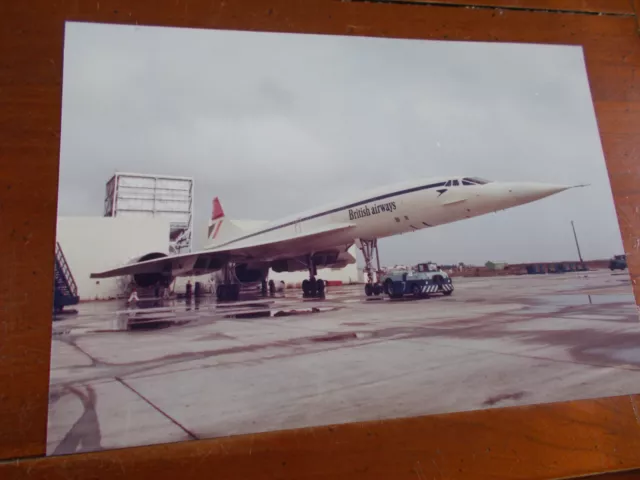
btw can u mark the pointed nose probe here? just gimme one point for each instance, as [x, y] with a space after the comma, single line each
[530, 192]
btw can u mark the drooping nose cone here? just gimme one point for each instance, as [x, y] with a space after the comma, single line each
[521, 193]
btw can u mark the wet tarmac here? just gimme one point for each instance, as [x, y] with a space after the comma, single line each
[181, 370]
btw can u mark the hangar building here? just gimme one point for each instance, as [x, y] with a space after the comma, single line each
[92, 244]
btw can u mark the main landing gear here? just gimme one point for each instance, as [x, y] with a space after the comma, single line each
[227, 291]
[372, 285]
[271, 285]
[312, 287]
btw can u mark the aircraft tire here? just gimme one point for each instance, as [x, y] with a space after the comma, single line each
[377, 289]
[320, 285]
[305, 288]
[368, 289]
[313, 287]
[272, 287]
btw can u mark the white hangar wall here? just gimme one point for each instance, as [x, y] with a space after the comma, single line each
[92, 244]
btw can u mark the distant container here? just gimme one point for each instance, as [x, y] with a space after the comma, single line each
[153, 196]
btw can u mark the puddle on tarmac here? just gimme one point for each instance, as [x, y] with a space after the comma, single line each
[575, 299]
[281, 313]
[625, 355]
[340, 336]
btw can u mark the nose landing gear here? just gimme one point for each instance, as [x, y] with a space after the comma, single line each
[372, 285]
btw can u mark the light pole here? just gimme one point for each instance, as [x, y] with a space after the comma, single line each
[577, 245]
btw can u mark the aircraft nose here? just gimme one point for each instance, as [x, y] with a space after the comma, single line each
[530, 192]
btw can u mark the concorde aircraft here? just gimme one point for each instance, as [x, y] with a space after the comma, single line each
[321, 237]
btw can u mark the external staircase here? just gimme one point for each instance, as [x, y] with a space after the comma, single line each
[65, 289]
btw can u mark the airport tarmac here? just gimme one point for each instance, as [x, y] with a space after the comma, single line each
[122, 378]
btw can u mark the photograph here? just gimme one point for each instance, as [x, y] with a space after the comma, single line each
[264, 231]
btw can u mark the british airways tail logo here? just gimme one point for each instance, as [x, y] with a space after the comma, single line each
[214, 228]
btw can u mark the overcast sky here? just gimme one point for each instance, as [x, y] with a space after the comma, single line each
[277, 123]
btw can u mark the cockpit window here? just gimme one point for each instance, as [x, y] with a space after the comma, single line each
[448, 184]
[476, 180]
[456, 183]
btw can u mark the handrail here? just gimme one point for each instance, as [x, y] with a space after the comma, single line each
[66, 271]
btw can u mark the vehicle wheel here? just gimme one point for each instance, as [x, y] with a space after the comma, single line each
[377, 289]
[415, 289]
[368, 289]
[385, 287]
[446, 294]
[391, 290]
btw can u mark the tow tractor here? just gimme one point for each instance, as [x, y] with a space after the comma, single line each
[423, 280]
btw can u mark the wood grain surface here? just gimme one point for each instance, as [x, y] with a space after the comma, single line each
[540, 442]
[586, 6]
[544, 441]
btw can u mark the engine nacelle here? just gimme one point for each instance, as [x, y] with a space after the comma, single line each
[333, 259]
[247, 273]
[289, 265]
[145, 280]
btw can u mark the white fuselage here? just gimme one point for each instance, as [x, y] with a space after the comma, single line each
[402, 208]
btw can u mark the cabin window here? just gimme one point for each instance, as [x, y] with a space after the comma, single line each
[467, 182]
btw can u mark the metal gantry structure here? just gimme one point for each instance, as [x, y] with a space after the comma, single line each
[171, 197]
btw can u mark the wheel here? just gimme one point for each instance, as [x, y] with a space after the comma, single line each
[305, 288]
[377, 289]
[313, 287]
[368, 289]
[416, 290]
[320, 286]
[272, 287]
[263, 287]
[391, 290]
[446, 294]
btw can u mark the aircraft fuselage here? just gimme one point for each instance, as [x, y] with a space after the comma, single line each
[401, 209]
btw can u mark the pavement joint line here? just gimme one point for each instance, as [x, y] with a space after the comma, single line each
[171, 419]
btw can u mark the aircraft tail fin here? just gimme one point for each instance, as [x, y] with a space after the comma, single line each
[221, 228]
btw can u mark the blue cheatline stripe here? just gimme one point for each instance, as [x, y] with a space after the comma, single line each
[335, 210]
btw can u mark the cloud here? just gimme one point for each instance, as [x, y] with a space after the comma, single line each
[277, 123]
